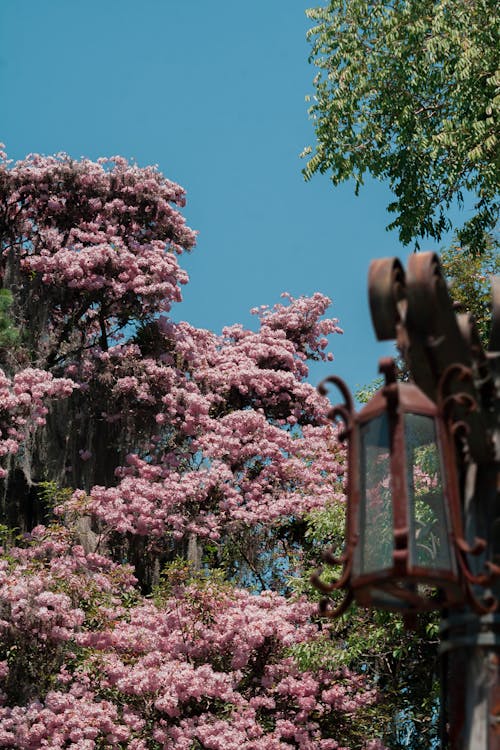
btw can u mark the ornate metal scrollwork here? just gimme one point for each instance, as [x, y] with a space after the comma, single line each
[495, 316]
[445, 359]
[453, 402]
[345, 412]
[387, 296]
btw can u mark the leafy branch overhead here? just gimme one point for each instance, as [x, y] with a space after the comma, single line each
[408, 92]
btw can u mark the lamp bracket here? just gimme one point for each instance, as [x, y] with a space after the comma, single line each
[345, 411]
[415, 309]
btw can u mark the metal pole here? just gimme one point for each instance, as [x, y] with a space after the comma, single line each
[470, 643]
[416, 310]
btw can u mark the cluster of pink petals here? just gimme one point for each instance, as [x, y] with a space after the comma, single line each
[110, 266]
[225, 494]
[99, 239]
[76, 719]
[302, 324]
[205, 662]
[44, 586]
[258, 447]
[219, 435]
[23, 405]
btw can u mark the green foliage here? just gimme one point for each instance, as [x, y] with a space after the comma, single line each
[409, 92]
[9, 537]
[179, 573]
[326, 526]
[51, 495]
[33, 667]
[365, 392]
[401, 663]
[470, 282]
[9, 335]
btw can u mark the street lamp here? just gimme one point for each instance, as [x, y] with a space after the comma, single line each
[424, 479]
[405, 547]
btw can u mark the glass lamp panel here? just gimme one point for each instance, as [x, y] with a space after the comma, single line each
[429, 522]
[406, 596]
[376, 537]
[383, 600]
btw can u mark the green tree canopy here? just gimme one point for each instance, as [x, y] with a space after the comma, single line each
[408, 91]
[470, 283]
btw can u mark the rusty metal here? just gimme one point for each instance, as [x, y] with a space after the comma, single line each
[446, 361]
[494, 702]
[404, 581]
[346, 413]
[429, 334]
[386, 292]
[495, 316]
[452, 404]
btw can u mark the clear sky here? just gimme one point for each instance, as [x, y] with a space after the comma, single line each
[213, 92]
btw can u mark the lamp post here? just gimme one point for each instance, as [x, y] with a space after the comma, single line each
[423, 505]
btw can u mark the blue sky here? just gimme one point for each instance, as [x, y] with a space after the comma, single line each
[213, 92]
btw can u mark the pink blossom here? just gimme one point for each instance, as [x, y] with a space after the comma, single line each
[207, 439]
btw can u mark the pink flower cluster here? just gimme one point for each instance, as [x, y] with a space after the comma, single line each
[23, 405]
[302, 324]
[232, 436]
[94, 243]
[238, 462]
[44, 587]
[75, 719]
[205, 662]
[211, 438]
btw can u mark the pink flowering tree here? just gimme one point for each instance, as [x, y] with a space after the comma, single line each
[160, 477]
